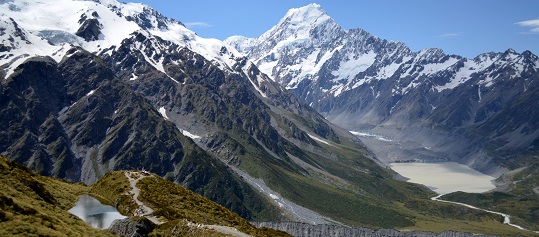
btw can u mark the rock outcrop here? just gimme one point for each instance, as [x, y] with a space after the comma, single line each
[309, 230]
[139, 227]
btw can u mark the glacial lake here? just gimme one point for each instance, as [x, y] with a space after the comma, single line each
[445, 177]
[94, 213]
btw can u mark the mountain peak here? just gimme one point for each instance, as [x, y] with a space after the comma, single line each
[312, 7]
[311, 14]
[301, 23]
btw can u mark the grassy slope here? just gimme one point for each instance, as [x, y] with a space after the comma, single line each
[30, 198]
[405, 206]
[359, 192]
[413, 202]
[34, 205]
[174, 204]
[332, 184]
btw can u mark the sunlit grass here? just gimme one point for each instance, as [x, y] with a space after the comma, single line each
[33, 205]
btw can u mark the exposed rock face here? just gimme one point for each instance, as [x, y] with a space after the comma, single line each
[89, 30]
[308, 230]
[35, 137]
[131, 227]
[75, 120]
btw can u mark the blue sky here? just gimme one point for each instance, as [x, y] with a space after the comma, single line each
[462, 27]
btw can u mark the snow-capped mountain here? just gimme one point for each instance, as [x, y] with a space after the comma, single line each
[32, 28]
[88, 87]
[426, 98]
[94, 86]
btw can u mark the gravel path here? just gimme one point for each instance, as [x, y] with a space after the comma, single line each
[145, 210]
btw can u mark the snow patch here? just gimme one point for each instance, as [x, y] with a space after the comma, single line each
[433, 68]
[163, 113]
[221, 54]
[189, 135]
[465, 73]
[371, 135]
[304, 68]
[479, 92]
[133, 77]
[298, 213]
[267, 67]
[259, 81]
[63, 111]
[389, 70]
[319, 139]
[348, 69]
[488, 81]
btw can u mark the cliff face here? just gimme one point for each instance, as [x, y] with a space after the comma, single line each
[308, 230]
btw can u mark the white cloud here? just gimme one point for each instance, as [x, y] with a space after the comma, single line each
[197, 24]
[449, 35]
[533, 24]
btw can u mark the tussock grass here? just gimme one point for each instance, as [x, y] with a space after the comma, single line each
[175, 203]
[34, 205]
[486, 226]
[111, 190]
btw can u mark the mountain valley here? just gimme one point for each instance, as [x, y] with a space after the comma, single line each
[254, 125]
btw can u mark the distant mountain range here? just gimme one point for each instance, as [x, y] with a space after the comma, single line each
[481, 112]
[89, 87]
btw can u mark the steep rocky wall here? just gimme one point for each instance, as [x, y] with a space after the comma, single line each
[308, 230]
